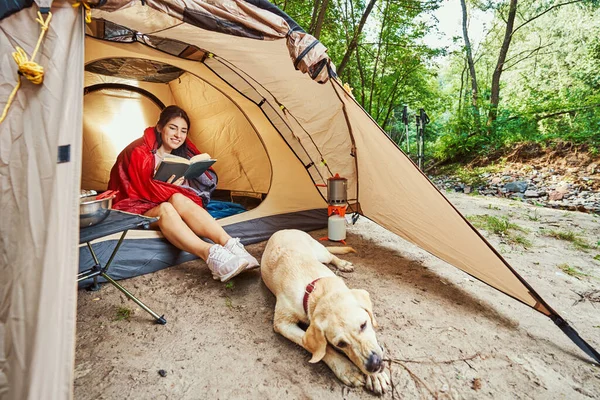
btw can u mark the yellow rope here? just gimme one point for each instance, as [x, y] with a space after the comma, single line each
[88, 10]
[27, 67]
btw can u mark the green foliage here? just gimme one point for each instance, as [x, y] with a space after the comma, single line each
[550, 86]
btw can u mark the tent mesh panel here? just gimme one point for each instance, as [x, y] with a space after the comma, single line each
[136, 69]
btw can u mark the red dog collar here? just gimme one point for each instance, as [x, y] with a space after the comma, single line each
[309, 289]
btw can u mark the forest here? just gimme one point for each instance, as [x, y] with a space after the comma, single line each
[530, 74]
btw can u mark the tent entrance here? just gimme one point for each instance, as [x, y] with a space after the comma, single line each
[124, 95]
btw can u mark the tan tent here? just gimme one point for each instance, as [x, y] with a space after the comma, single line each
[263, 98]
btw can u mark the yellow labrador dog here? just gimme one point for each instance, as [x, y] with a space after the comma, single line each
[307, 291]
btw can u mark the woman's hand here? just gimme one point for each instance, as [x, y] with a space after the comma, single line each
[178, 182]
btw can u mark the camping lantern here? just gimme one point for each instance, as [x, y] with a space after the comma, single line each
[336, 210]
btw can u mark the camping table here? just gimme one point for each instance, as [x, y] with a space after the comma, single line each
[115, 222]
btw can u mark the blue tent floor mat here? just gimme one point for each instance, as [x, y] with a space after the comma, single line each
[222, 209]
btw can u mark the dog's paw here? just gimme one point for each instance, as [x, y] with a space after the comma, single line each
[345, 266]
[378, 383]
[347, 372]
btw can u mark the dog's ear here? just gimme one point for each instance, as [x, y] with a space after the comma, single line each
[314, 341]
[364, 300]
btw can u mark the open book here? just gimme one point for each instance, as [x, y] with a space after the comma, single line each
[179, 166]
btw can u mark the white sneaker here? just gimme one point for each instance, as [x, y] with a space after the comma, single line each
[223, 264]
[234, 246]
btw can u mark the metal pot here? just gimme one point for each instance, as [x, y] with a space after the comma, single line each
[337, 188]
[92, 211]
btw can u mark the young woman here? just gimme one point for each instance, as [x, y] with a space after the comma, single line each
[178, 204]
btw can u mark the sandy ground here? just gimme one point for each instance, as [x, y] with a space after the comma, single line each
[450, 336]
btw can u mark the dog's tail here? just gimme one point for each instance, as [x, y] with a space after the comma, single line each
[340, 249]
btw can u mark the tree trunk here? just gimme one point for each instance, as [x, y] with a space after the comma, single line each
[354, 42]
[495, 91]
[320, 19]
[313, 19]
[374, 74]
[462, 85]
[362, 78]
[471, 64]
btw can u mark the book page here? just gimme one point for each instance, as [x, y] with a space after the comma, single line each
[200, 157]
[170, 158]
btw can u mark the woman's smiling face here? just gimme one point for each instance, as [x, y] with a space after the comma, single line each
[173, 134]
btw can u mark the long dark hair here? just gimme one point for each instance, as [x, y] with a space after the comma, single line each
[167, 115]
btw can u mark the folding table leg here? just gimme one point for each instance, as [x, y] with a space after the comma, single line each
[103, 272]
[94, 287]
[159, 319]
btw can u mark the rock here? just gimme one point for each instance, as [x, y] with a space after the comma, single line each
[518, 186]
[496, 181]
[531, 193]
[467, 189]
[562, 187]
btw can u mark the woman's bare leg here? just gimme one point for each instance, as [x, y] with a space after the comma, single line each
[198, 219]
[177, 232]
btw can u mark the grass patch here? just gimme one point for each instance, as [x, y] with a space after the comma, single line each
[123, 313]
[570, 236]
[597, 257]
[491, 207]
[501, 227]
[522, 240]
[229, 285]
[533, 216]
[571, 271]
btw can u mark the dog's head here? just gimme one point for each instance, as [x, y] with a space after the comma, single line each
[346, 321]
